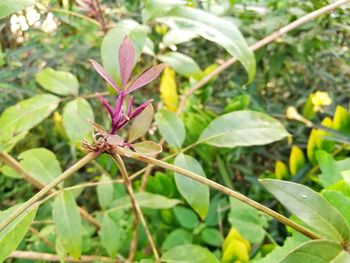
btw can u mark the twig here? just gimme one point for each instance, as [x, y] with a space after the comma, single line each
[42, 237]
[82, 162]
[37, 256]
[135, 205]
[263, 42]
[14, 164]
[229, 192]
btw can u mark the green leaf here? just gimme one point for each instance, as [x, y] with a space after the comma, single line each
[7, 7]
[330, 168]
[243, 128]
[296, 160]
[178, 36]
[311, 208]
[59, 82]
[26, 114]
[41, 164]
[216, 29]
[189, 254]
[248, 221]
[12, 235]
[8, 144]
[317, 251]
[110, 235]
[195, 193]
[339, 201]
[186, 217]
[171, 127]
[146, 200]
[212, 237]
[147, 148]
[141, 124]
[68, 223]
[105, 191]
[76, 117]
[176, 238]
[9, 172]
[182, 64]
[112, 40]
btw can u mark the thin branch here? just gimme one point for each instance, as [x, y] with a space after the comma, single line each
[263, 42]
[135, 205]
[229, 192]
[43, 238]
[37, 256]
[14, 164]
[23, 208]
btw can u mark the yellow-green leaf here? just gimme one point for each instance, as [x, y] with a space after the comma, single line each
[168, 89]
[341, 120]
[296, 160]
[281, 170]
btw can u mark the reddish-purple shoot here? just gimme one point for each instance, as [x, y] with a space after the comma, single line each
[126, 55]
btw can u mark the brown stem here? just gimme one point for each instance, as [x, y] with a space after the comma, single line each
[23, 208]
[123, 171]
[229, 192]
[14, 164]
[43, 238]
[37, 256]
[133, 244]
[263, 42]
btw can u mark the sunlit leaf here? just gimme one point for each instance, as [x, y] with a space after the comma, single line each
[243, 128]
[171, 127]
[59, 82]
[195, 193]
[311, 208]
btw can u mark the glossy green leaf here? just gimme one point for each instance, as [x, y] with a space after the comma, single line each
[213, 28]
[77, 115]
[59, 82]
[195, 193]
[189, 254]
[147, 148]
[7, 7]
[141, 124]
[186, 217]
[68, 223]
[146, 200]
[105, 191]
[12, 235]
[26, 114]
[330, 168]
[41, 164]
[311, 208]
[317, 251]
[177, 237]
[110, 235]
[243, 128]
[171, 127]
[248, 221]
[112, 40]
[182, 64]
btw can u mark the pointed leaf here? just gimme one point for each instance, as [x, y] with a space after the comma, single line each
[171, 127]
[126, 55]
[59, 82]
[12, 235]
[168, 90]
[296, 160]
[189, 254]
[195, 193]
[68, 223]
[186, 217]
[320, 251]
[7, 7]
[103, 73]
[147, 148]
[243, 128]
[146, 78]
[77, 115]
[141, 124]
[110, 235]
[311, 208]
[41, 164]
[26, 114]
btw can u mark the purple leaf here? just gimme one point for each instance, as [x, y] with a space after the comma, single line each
[105, 103]
[129, 110]
[103, 73]
[146, 78]
[139, 109]
[118, 109]
[126, 56]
